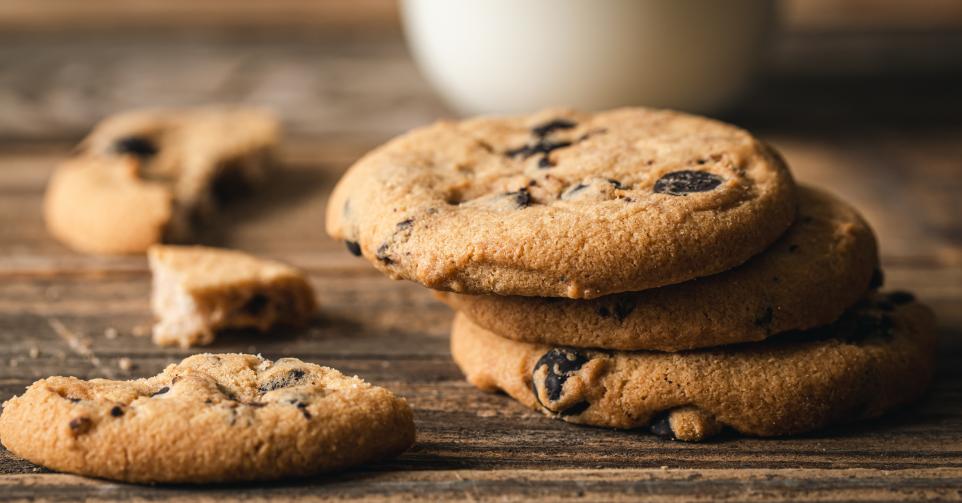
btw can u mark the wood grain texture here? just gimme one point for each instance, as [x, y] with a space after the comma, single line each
[898, 160]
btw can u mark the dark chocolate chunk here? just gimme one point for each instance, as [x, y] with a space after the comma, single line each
[545, 162]
[135, 145]
[878, 279]
[80, 425]
[255, 304]
[354, 247]
[521, 197]
[661, 426]
[292, 377]
[382, 254]
[900, 297]
[405, 224]
[560, 363]
[679, 183]
[116, 411]
[541, 147]
[161, 391]
[550, 126]
[575, 409]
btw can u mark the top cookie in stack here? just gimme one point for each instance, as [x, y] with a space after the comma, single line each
[704, 289]
[564, 204]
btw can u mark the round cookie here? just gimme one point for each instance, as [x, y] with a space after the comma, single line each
[564, 204]
[878, 356]
[819, 268]
[210, 418]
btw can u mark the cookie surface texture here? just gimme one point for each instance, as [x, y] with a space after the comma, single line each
[210, 418]
[564, 204]
[820, 267]
[198, 290]
[146, 176]
[877, 356]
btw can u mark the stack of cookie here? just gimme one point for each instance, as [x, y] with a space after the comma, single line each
[640, 268]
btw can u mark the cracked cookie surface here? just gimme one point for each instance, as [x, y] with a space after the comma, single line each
[210, 418]
[198, 291]
[877, 356]
[563, 204]
[820, 267]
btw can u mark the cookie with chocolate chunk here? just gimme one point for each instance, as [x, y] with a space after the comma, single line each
[210, 418]
[145, 176]
[878, 356]
[198, 291]
[564, 204]
[820, 267]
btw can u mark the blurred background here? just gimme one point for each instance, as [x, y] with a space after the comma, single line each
[341, 67]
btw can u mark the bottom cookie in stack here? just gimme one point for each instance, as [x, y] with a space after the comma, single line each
[877, 356]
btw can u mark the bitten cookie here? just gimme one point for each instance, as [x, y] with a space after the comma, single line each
[198, 291]
[210, 418]
[876, 357]
[564, 204]
[819, 268]
[143, 177]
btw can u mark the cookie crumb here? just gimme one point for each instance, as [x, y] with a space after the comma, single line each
[140, 330]
[110, 333]
[34, 352]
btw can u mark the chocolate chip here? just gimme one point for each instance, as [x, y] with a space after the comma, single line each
[80, 425]
[303, 408]
[878, 279]
[72, 399]
[353, 247]
[560, 364]
[289, 379]
[161, 391]
[661, 426]
[679, 183]
[521, 197]
[615, 183]
[382, 254]
[405, 224]
[541, 147]
[900, 297]
[135, 145]
[575, 409]
[255, 304]
[765, 318]
[550, 126]
[545, 162]
[116, 411]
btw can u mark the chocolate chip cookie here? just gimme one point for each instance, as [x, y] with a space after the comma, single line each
[819, 268]
[198, 291]
[210, 418]
[146, 176]
[564, 204]
[877, 356]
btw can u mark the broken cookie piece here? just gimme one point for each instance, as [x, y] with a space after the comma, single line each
[198, 291]
[144, 177]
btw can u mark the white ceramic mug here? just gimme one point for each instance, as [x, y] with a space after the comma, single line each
[506, 56]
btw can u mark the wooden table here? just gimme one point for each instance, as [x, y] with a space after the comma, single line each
[861, 114]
